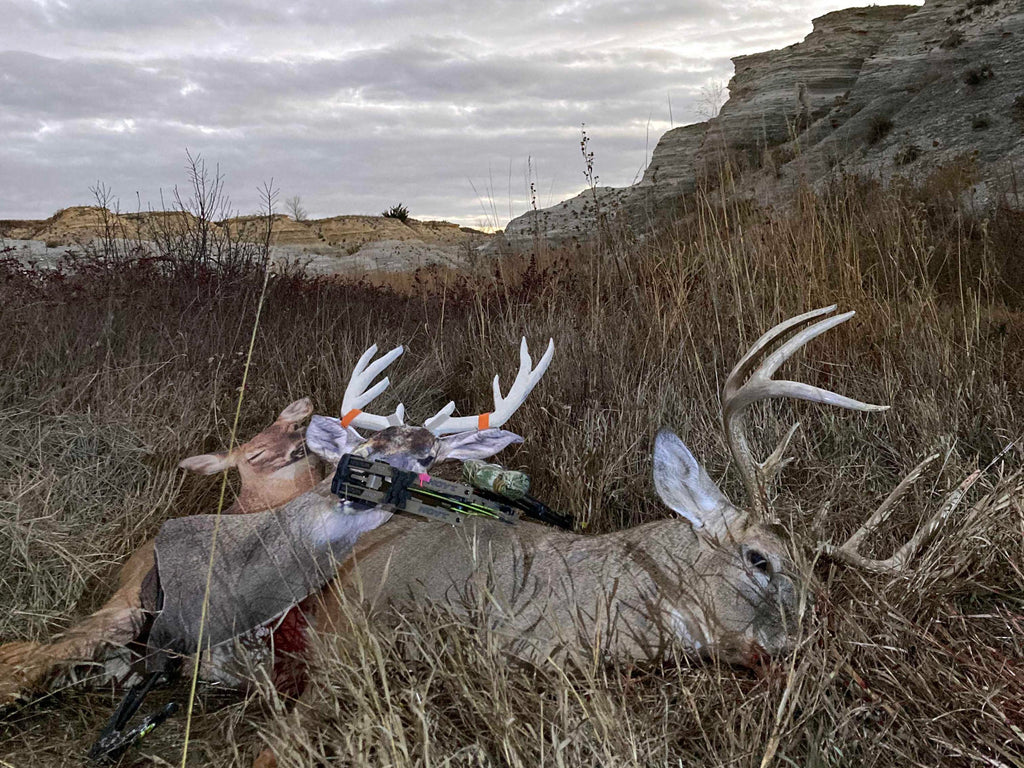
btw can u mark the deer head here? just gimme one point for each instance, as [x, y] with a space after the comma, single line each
[746, 599]
[441, 438]
[274, 466]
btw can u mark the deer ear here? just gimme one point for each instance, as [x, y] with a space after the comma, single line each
[297, 411]
[684, 485]
[329, 440]
[208, 463]
[475, 444]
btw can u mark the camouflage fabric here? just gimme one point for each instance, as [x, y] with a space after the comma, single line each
[509, 483]
[263, 565]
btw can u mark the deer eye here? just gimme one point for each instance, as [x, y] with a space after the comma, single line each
[758, 560]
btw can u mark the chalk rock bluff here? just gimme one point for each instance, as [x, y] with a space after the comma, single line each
[340, 244]
[883, 90]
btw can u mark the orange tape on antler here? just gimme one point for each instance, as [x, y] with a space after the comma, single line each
[483, 421]
[349, 417]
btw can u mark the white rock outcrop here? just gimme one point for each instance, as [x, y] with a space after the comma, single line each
[882, 90]
[336, 245]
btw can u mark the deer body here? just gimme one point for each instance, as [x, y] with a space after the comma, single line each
[633, 593]
[723, 587]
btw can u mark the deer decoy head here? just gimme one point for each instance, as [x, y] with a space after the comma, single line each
[441, 438]
[274, 466]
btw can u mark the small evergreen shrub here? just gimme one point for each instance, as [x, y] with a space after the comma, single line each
[979, 74]
[399, 212]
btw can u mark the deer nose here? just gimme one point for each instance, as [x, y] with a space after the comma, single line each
[785, 591]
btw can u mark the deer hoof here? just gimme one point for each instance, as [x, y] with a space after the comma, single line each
[19, 669]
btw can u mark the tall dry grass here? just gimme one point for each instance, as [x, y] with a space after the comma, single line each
[111, 375]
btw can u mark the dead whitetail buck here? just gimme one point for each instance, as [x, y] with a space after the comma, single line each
[274, 467]
[716, 580]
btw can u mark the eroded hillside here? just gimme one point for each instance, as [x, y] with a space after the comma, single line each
[881, 91]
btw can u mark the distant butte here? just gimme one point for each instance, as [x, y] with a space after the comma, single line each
[325, 246]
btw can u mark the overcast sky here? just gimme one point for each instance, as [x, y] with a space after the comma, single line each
[359, 104]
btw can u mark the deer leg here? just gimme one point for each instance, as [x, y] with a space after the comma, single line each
[26, 667]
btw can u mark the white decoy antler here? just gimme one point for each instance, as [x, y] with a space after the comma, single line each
[359, 393]
[442, 422]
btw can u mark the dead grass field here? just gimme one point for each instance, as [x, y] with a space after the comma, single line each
[110, 375]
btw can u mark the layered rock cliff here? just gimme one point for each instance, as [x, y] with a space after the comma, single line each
[336, 244]
[881, 90]
[947, 86]
[775, 95]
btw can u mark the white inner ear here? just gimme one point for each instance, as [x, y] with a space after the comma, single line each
[683, 485]
[207, 463]
[329, 440]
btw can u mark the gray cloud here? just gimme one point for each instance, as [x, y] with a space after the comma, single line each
[361, 106]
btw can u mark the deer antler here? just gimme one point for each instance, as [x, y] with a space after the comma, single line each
[359, 393]
[849, 553]
[747, 384]
[442, 422]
